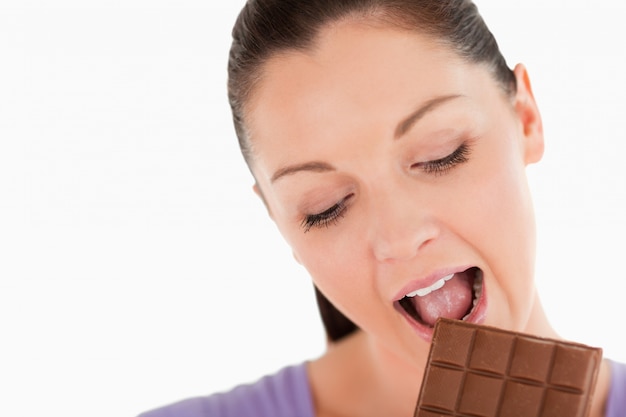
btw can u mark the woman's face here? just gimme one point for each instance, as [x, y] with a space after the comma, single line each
[392, 167]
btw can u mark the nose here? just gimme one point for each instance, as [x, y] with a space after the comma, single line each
[400, 228]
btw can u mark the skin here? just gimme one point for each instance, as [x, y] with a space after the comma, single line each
[329, 126]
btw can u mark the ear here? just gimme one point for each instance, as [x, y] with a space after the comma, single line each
[529, 116]
[259, 193]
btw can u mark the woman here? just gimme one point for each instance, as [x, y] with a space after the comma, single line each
[389, 141]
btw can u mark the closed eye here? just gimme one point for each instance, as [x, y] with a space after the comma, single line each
[442, 165]
[327, 217]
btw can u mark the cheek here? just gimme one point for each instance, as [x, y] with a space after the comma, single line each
[332, 262]
[337, 264]
[504, 207]
[499, 220]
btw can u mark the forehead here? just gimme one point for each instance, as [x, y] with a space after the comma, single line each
[356, 76]
[348, 52]
[350, 44]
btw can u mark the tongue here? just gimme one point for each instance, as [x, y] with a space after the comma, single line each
[452, 301]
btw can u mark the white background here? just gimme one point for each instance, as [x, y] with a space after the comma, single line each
[136, 265]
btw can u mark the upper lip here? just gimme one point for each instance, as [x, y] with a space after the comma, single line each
[428, 280]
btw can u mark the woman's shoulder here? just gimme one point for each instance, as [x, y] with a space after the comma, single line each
[284, 393]
[616, 402]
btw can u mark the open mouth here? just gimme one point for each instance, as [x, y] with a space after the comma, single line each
[454, 296]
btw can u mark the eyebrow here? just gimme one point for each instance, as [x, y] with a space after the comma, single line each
[407, 123]
[307, 166]
[404, 126]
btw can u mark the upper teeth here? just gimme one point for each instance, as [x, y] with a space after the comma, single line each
[427, 290]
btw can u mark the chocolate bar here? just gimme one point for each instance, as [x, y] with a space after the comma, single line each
[483, 371]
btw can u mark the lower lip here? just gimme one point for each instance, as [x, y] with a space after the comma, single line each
[477, 316]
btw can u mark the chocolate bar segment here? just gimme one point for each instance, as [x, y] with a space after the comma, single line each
[483, 371]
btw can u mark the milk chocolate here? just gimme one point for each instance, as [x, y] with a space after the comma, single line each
[482, 371]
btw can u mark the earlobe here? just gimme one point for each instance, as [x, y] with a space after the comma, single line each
[529, 116]
[259, 193]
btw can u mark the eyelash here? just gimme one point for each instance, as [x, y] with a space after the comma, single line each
[437, 167]
[445, 164]
[327, 217]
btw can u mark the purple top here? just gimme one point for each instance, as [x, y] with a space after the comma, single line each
[287, 394]
[616, 403]
[284, 394]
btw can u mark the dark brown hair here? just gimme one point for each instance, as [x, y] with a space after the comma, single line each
[267, 27]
